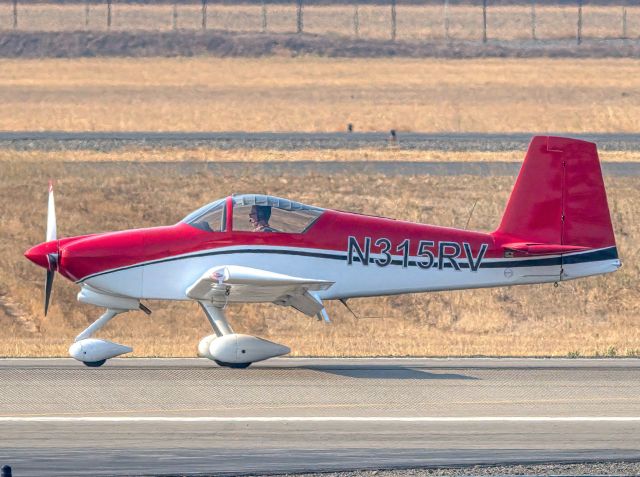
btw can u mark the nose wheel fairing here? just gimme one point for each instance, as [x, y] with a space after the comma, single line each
[91, 350]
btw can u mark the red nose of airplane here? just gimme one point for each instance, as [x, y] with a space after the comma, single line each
[38, 254]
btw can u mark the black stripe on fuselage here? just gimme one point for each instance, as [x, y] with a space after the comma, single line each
[610, 253]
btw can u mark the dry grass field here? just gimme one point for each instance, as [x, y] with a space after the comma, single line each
[414, 22]
[320, 94]
[595, 316]
[588, 317]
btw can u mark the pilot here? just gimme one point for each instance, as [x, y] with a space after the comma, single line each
[259, 218]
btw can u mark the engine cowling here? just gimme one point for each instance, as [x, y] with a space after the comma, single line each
[237, 349]
[92, 350]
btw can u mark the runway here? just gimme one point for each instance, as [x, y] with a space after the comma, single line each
[139, 416]
[110, 140]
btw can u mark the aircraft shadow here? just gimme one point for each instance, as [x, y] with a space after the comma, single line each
[385, 372]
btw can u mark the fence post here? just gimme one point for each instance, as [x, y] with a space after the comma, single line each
[299, 21]
[579, 35]
[108, 14]
[86, 14]
[484, 21]
[264, 16]
[533, 20]
[356, 20]
[15, 14]
[446, 19]
[204, 14]
[393, 20]
[624, 21]
[174, 22]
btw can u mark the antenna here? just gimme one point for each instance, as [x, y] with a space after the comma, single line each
[344, 302]
[466, 227]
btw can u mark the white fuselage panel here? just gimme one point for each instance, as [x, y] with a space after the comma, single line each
[168, 279]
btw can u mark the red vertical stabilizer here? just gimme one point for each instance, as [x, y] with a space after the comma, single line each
[559, 197]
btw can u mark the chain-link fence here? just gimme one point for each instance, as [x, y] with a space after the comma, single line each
[407, 20]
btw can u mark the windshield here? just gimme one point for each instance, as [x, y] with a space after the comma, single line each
[211, 217]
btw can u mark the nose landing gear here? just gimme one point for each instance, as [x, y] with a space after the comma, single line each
[94, 352]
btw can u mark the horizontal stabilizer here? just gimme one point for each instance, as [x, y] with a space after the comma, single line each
[543, 248]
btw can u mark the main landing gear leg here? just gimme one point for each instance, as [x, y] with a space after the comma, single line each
[217, 319]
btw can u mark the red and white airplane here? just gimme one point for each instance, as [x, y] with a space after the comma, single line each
[258, 248]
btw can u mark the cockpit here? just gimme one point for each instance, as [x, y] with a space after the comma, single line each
[254, 213]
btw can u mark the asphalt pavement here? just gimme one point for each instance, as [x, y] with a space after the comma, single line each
[464, 141]
[180, 416]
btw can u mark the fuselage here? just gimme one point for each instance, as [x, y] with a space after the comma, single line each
[363, 255]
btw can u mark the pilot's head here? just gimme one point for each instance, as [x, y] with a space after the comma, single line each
[260, 214]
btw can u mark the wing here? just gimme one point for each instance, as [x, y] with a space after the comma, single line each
[237, 284]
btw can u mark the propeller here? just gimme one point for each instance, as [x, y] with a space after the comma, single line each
[52, 258]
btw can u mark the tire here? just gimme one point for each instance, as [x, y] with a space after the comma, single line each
[94, 364]
[232, 365]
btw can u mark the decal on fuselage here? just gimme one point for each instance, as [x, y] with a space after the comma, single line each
[448, 254]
